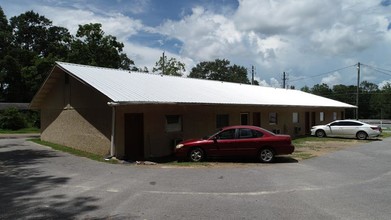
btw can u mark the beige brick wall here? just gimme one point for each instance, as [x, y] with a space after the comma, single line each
[77, 116]
[200, 120]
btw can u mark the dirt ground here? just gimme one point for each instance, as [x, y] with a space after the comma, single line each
[311, 149]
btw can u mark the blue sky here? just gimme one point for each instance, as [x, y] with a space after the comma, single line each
[311, 40]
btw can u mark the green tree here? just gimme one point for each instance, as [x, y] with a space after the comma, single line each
[59, 43]
[220, 70]
[93, 47]
[305, 89]
[366, 99]
[238, 74]
[169, 66]
[30, 44]
[382, 102]
[344, 93]
[30, 32]
[322, 90]
[5, 42]
[12, 85]
[5, 34]
[36, 44]
[12, 119]
[35, 33]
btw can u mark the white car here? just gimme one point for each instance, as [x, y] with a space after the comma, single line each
[346, 128]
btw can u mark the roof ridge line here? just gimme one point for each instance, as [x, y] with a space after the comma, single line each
[90, 66]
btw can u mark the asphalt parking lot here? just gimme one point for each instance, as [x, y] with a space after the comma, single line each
[40, 183]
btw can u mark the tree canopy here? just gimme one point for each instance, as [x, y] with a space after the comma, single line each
[169, 66]
[92, 47]
[30, 44]
[373, 102]
[220, 70]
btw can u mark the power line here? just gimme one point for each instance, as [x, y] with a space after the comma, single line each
[325, 73]
[380, 70]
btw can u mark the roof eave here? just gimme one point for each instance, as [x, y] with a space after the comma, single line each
[124, 103]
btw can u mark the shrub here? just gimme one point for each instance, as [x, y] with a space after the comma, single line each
[12, 119]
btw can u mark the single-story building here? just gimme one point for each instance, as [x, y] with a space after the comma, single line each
[140, 115]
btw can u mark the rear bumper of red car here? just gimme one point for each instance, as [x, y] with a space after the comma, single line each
[286, 150]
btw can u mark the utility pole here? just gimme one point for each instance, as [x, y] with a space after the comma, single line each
[163, 64]
[252, 75]
[283, 80]
[358, 87]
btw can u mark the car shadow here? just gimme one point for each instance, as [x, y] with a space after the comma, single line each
[341, 138]
[277, 159]
[27, 192]
[239, 160]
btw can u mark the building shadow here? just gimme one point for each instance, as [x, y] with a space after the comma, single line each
[27, 193]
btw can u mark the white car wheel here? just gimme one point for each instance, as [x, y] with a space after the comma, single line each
[361, 135]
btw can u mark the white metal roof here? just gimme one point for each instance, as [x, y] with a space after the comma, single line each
[123, 87]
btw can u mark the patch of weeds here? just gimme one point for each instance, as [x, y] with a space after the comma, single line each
[385, 134]
[304, 140]
[299, 155]
[73, 151]
[188, 164]
[314, 148]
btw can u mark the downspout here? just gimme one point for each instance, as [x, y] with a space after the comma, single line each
[112, 138]
[112, 143]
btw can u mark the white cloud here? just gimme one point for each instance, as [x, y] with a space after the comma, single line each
[205, 35]
[341, 39]
[307, 37]
[332, 79]
[137, 6]
[274, 83]
[278, 17]
[116, 24]
[263, 83]
[384, 83]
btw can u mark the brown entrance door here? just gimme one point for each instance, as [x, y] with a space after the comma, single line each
[134, 136]
[307, 123]
[257, 119]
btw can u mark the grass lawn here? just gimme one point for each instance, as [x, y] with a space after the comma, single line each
[20, 131]
[308, 147]
[72, 151]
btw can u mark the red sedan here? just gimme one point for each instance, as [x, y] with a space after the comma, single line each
[240, 141]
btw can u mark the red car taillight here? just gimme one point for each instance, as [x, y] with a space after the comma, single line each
[376, 128]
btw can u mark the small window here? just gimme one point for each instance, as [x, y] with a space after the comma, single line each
[295, 117]
[228, 134]
[335, 116]
[321, 116]
[222, 121]
[272, 118]
[173, 123]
